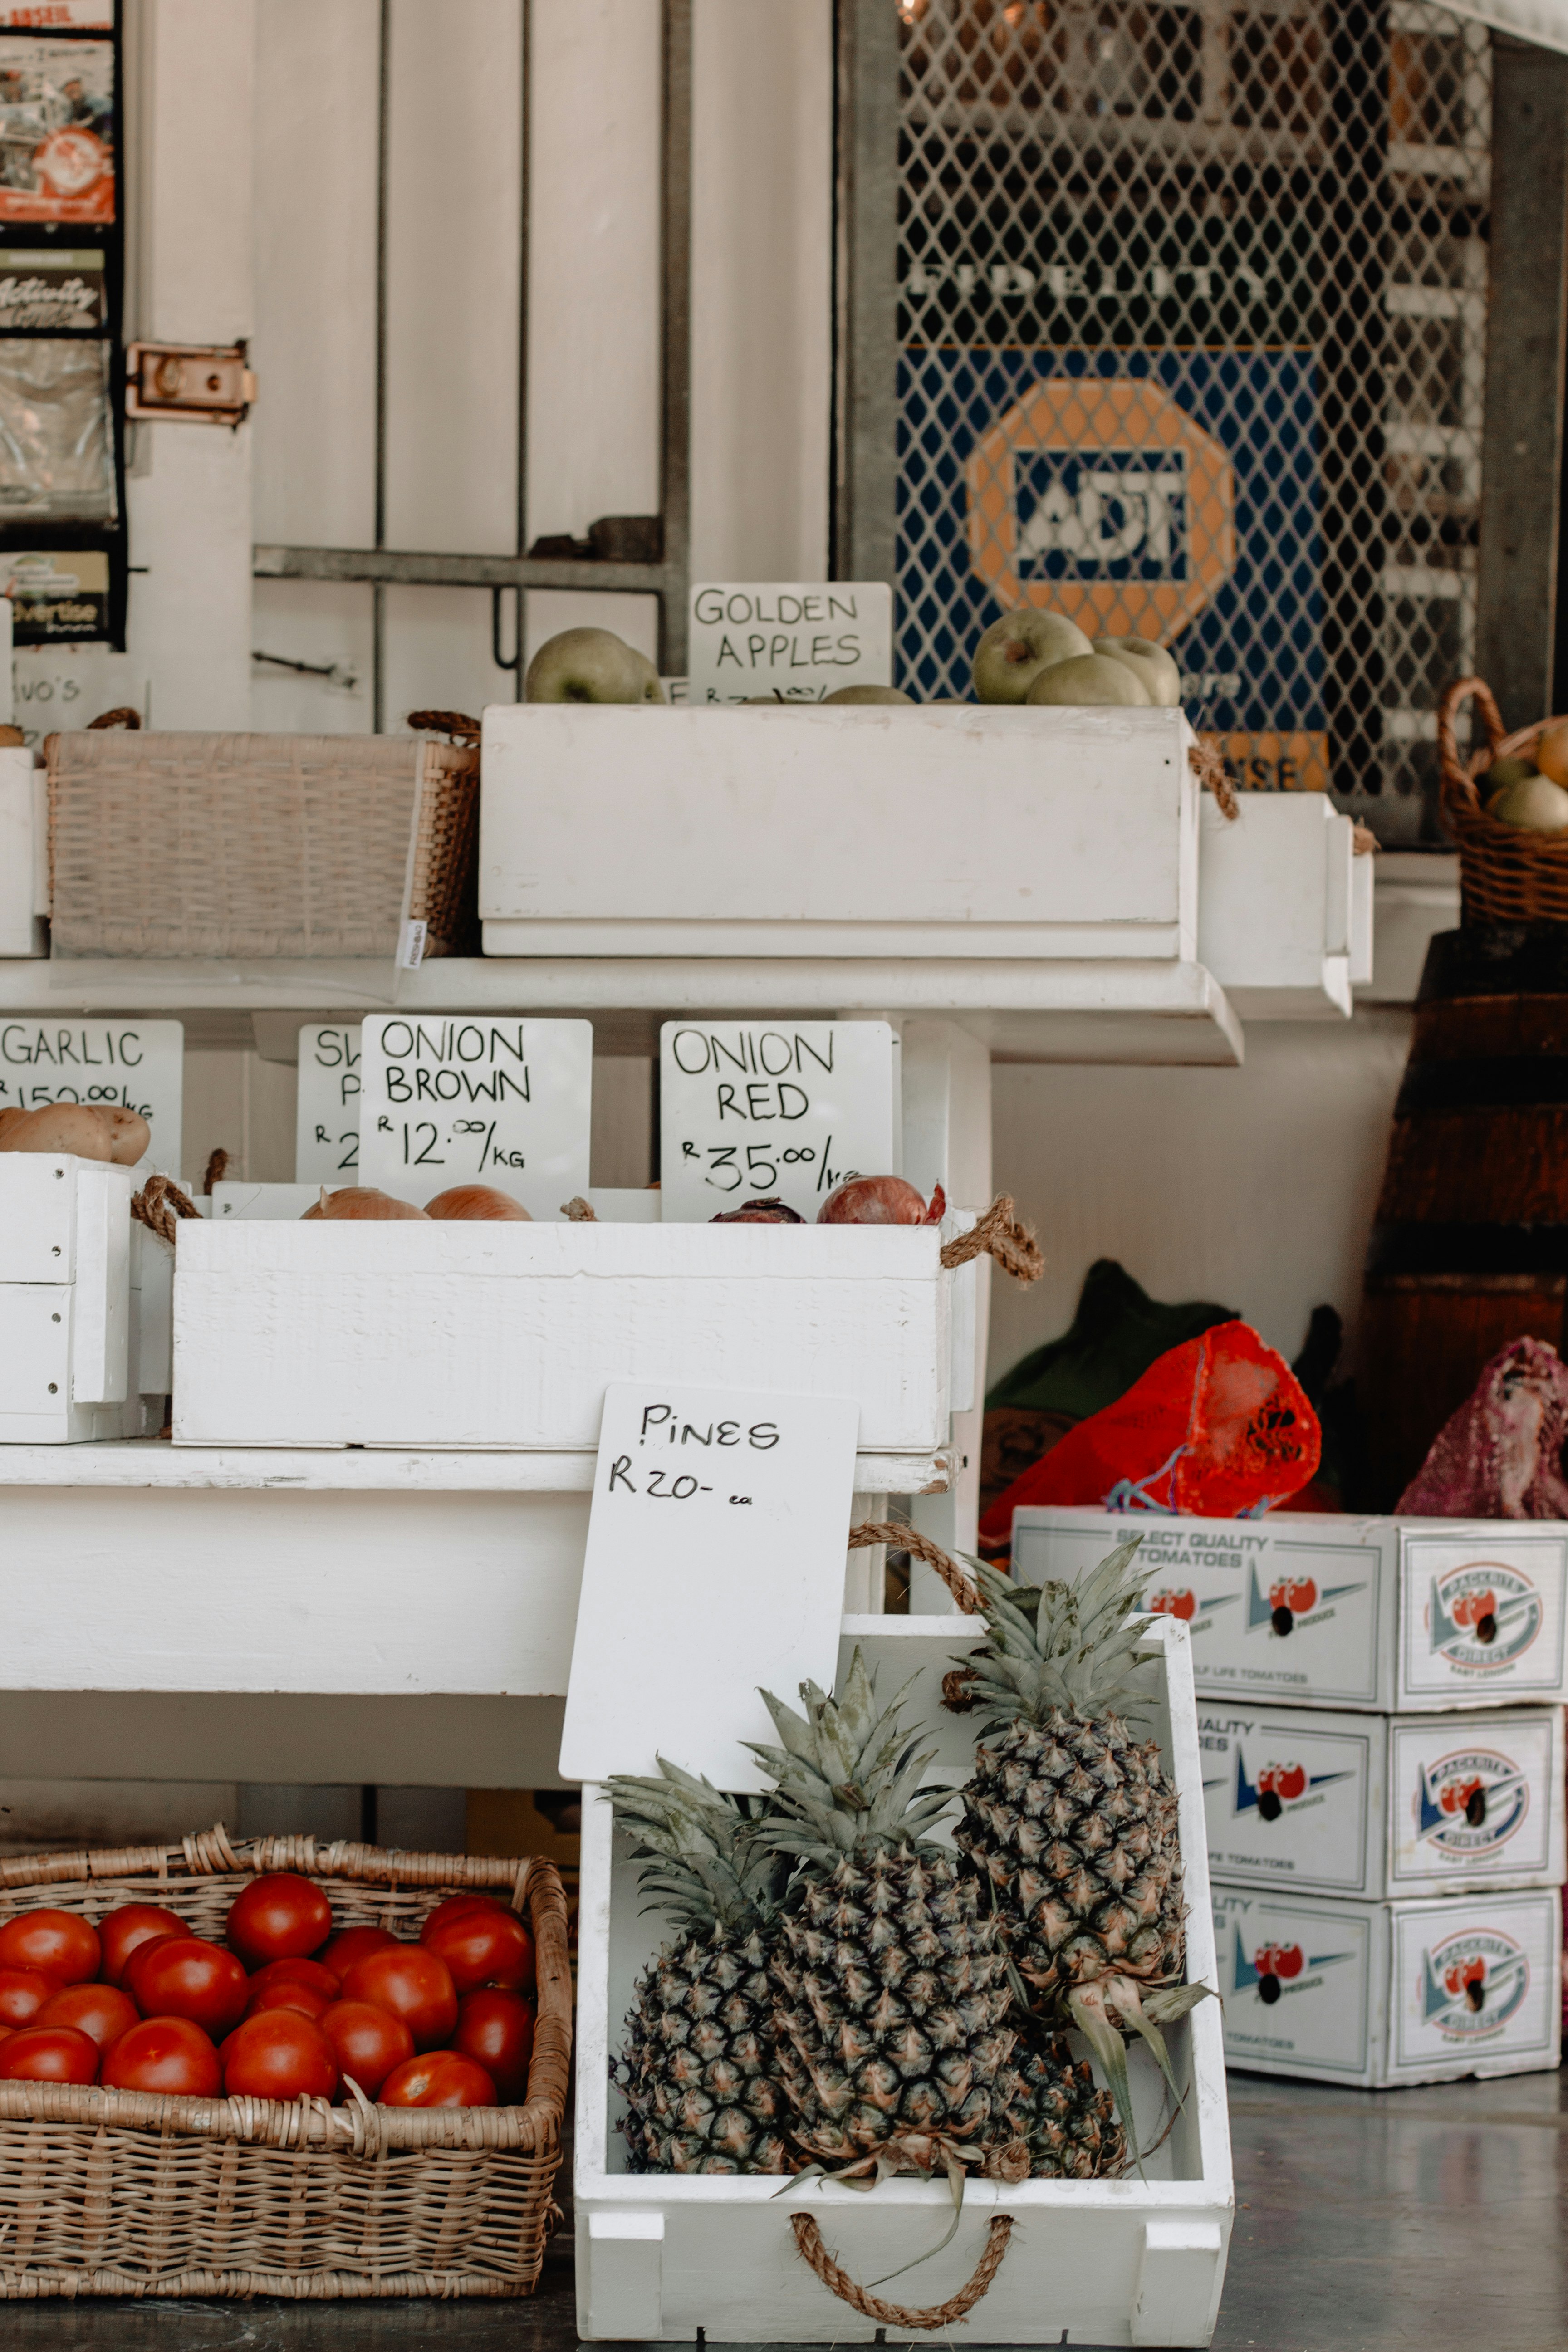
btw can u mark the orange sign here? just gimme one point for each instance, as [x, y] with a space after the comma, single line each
[1275, 764]
[1163, 506]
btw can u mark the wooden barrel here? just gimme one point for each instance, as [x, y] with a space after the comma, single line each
[1469, 1249]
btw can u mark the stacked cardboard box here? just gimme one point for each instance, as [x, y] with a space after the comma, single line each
[1379, 1712]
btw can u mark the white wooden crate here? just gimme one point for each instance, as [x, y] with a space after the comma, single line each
[24, 855]
[68, 1329]
[1284, 906]
[1115, 2262]
[966, 832]
[506, 1334]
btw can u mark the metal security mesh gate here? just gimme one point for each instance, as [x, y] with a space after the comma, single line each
[1192, 311]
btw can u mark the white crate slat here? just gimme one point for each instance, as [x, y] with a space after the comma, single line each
[1121, 2261]
[1277, 905]
[431, 1334]
[988, 832]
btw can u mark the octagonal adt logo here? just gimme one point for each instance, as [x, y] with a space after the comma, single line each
[1104, 499]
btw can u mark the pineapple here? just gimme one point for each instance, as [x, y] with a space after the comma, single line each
[698, 2067]
[894, 2051]
[1070, 1818]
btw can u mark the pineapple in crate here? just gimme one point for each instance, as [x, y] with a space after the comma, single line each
[1070, 1818]
[896, 2044]
[698, 2069]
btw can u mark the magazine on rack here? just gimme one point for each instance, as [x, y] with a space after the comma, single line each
[56, 129]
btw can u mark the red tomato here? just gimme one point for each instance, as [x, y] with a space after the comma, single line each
[352, 1944]
[61, 1943]
[23, 1992]
[49, 2053]
[454, 1905]
[185, 1976]
[482, 1947]
[164, 2053]
[99, 2010]
[368, 2042]
[298, 1972]
[134, 1923]
[283, 1992]
[279, 1918]
[411, 1983]
[496, 2028]
[279, 2054]
[444, 2079]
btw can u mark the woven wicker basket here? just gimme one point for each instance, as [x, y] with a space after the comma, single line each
[258, 845]
[1506, 874]
[124, 2193]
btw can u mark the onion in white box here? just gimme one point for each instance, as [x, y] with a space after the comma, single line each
[963, 831]
[1109, 2262]
[424, 1334]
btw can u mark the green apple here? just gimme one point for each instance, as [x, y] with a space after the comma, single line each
[867, 694]
[1090, 678]
[586, 665]
[1017, 647]
[652, 691]
[1149, 663]
[1535, 804]
[1503, 772]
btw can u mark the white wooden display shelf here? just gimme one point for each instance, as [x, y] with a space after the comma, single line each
[661, 2259]
[160, 1568]
[1285, 906]
[475, 1335]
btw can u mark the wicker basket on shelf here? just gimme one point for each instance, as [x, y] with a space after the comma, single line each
[263, 845]
[1506, 874]
[129, 2193]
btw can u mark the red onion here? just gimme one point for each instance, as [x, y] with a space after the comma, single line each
[771, 1211]
[881, 1201]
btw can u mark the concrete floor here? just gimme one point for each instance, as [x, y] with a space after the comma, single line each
[1427, 2221]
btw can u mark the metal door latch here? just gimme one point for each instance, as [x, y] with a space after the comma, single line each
[189, 383]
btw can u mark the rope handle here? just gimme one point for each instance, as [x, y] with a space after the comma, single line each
[218, 1168]
[909, 1539]
[1206, 761]
[1000, 1236]
[578, 1212]
[1458, 786]
[809, 2245]
[122, 715]
[159, 1206]
[455, 723]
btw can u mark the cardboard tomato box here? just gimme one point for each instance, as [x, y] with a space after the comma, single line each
[1381, 1994]
[1391, 1615]
[1382, 1806]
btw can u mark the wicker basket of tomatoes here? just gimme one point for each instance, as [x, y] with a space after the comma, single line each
[270, 2068]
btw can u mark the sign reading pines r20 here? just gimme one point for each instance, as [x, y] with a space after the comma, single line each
[454, 1098]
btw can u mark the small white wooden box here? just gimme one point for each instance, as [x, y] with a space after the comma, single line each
[1284, 905]
[507, 1335]
[1382, 1806]
[665, 2259]
[67, 1345]
[1384, 1993]
[960, 831]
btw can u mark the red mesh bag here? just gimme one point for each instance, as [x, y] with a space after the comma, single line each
[1218, 1428]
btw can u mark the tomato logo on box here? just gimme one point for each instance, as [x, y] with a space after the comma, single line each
[1472, 1983]
[1483, 1616]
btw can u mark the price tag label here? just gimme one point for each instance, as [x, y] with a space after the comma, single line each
[750, 1109]
[126, 1064]
[459, 1098]
[326, 1124]
[714, 1568]
[800, 639]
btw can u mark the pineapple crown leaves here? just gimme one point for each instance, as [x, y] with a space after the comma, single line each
[847, 1777]
[702, 1856]
[1060, 1645]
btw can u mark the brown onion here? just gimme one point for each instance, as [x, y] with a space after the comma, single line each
[465, 1200]
[361, 1201]
[771, 1211]
[881, 1201]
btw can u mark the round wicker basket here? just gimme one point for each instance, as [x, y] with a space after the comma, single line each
[1506, 874]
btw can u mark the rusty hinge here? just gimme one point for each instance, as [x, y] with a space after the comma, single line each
[189, 383]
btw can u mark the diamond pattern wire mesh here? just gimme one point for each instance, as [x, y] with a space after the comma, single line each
[1191, 327]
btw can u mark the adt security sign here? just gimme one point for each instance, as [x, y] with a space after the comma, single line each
[753, 1109]
[326, 1123]
[125, 1065]
[797, 640]
[456, 1098]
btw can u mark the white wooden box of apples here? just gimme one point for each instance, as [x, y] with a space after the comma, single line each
[84, 1291]
[1056, 818]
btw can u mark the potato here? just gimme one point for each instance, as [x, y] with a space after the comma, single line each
[61, 1127]
[8, 1120]
[129, 1136]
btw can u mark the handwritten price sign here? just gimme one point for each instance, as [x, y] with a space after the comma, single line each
[454, 1098]
[750, 1109]
[326, 1123]
[119, 1065]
